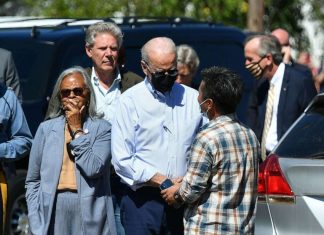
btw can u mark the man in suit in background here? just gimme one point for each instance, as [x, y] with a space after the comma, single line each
[8, 72]
[270, 115]
[283, 37]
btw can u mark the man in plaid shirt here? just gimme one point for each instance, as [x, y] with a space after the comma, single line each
[219, 189]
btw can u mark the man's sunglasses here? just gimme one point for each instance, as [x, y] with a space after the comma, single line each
[77, 91]
[163, 73]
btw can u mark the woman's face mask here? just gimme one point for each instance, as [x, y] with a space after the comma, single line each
[255, 68]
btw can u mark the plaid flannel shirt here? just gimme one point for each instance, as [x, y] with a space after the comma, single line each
[220, 186]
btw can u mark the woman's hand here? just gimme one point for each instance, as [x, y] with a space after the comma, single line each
[73, 114]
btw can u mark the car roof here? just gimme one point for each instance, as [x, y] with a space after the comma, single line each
[53, 28]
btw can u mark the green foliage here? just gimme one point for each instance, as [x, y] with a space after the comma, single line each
[72, 8]
[287, 14]
[278, 13]
[317, 9]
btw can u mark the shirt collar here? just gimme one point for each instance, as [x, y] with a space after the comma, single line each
[278, 74]
[223, 118]
[95, 78]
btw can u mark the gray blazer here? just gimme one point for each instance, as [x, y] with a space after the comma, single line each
[8, 72]
[92, 161]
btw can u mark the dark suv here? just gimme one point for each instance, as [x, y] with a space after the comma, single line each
[42, 48]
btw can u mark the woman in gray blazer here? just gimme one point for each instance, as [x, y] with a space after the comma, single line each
[68, 189]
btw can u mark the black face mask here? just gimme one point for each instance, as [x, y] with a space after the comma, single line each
[163, 81]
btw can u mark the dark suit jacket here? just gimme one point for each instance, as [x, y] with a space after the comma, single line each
[8, 72]
[296, 92]
[303, 69]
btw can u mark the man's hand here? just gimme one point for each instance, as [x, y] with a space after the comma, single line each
[286, 51]
[156, 180]
[168, 194]
[177, 180]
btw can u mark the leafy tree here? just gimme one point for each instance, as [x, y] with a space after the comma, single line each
[287, 14]
[278, 13]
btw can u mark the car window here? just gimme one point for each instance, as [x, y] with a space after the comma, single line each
[33, 60]
[72, 53]
[306, 139]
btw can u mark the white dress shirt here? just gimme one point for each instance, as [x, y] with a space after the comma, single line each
[272, 138]
[106, 98]
[153, 132]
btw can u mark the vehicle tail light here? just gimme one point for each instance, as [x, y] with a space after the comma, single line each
[271, 179]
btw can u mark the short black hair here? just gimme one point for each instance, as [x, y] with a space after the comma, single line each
[223, 86]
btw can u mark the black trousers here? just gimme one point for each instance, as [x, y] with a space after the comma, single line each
[144, 212]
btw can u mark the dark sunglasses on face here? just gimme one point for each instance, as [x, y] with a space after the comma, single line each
[171, 73]
[163, 73]
[77, 91]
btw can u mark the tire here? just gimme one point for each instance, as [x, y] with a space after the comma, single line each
[17, 219]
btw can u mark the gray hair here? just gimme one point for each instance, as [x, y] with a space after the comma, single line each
[103, 27]
[188, 56]
[269, 44]
[55, 110]
[165, 43]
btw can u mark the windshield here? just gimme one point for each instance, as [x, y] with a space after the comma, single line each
[306, 138]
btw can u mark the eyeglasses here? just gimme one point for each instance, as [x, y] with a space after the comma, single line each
[77, 91]
[163, 73]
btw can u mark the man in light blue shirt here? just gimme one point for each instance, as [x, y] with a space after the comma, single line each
[156, 121]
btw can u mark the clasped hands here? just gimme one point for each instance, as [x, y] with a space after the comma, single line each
[168, 194]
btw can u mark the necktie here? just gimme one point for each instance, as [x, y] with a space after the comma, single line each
[267, 121]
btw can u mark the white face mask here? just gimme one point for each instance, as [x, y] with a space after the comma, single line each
[205, 114]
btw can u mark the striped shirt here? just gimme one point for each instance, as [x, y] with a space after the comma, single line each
[220, 186]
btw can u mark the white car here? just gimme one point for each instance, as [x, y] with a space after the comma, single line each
[291, 179]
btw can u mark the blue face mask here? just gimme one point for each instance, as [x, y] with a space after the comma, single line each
[205, 114]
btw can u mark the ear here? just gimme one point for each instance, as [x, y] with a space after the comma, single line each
[144, 67]
[88, 51]
[209, 103]
[269, 59]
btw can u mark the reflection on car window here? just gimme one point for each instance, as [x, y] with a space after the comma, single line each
[33, 60]
[305, 139]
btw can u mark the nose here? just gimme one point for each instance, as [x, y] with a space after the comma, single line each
[108, 52]
[71, 95]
